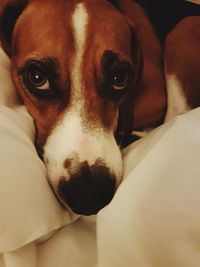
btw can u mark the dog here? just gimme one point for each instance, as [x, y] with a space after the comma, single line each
[182, 67]
[85, 70]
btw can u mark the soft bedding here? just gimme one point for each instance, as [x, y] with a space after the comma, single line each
[28, 208]
[153, 220]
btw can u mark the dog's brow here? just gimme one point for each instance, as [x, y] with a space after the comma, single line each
[110, 58]
[49, 62]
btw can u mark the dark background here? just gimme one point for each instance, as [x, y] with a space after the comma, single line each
[165, 14]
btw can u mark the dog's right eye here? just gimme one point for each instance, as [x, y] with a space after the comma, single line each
[35, 78]
[41, 78]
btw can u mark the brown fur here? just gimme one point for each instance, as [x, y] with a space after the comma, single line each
[149, 104]
[182, 57]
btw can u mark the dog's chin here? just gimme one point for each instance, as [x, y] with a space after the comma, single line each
[82, 208]
[79, 210]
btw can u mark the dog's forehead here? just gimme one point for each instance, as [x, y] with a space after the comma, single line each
[42, 29]
[108, 26]
[49, 27]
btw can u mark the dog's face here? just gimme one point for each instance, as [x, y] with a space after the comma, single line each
[73, 66]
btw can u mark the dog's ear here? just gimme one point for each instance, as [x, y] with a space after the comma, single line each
[126, 119]
[10, 10]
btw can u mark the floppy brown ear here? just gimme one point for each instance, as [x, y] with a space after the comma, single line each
[125, 123]
[10, 10]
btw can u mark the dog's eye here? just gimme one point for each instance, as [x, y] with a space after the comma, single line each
[35, 77]
[120, 80]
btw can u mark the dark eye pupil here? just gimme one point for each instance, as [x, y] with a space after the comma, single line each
[36, 77]
[120, 78]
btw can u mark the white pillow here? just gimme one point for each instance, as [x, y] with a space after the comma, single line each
[28, 207]
[154, 218]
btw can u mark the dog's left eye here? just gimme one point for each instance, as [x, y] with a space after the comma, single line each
[36, 78]
[120, 80]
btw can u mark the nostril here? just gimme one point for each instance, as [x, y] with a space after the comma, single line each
[88, 190]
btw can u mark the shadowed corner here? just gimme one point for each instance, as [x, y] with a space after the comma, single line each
[40, 151]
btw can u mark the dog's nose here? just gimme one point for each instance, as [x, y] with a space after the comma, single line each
[89, 189]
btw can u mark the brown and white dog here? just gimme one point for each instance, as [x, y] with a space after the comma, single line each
[182, 66]
[76, 65]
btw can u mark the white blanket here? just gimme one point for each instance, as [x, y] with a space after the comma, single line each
[153, 220]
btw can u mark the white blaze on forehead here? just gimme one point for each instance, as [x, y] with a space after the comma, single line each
[79, 25]
[70, 138]
[177, 103]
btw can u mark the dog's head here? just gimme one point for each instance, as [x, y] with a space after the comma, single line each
[73, 63]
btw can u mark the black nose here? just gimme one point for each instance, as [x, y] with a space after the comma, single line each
[89, 189]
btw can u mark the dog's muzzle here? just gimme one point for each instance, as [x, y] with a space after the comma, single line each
[84, 166]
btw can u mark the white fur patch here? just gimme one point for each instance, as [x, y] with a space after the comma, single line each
[177, 103]
[79, 25]
[71, 138]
